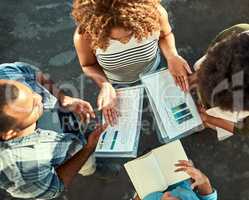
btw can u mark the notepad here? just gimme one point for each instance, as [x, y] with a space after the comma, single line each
[155, 171]
[175, 111]
[121, 140]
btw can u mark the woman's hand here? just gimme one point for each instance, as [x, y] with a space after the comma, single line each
[199, 179]
[107, 102]
[179, 69]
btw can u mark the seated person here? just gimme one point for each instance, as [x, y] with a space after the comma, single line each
[199, 189]
[223, 78]
[37, 163]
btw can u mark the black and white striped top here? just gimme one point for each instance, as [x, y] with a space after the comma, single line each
[122, 63]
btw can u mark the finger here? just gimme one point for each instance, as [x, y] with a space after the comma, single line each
[106, 116]
[181, 169]
[82, 118]
[109, 112]
[88, 117]
[183, 85]
[90, 110]
[116, 111]
[114, 115]
[100, 103]
[188, 68]
[175, 79]
[178, 81]
[185, 79]
[194, 185]
[184, 163]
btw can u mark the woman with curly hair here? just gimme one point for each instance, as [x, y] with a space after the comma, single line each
[223, 80]
[118, 40]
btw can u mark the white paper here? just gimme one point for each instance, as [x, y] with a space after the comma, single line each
[166, 96]
[122, 137]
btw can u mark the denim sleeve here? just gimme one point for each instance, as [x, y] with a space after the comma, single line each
[154, 196]
[28, 69]
[213, 196]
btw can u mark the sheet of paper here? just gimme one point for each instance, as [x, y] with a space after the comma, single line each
[176, 109]
[223, 134]
[122, 137]
[145, 175]
[167, 156]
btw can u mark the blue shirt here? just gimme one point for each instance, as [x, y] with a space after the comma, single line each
[182, 191]
[28, 164]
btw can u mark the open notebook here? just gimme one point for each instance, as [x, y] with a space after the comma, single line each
[175, 111]
[122, 139]
[155, 171]
[223, 134]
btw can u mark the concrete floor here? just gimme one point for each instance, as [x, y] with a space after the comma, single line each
[40, 32]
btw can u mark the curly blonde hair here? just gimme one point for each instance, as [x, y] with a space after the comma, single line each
[98, 17]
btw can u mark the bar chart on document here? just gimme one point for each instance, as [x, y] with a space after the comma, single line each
[175, 111]
[122, 136]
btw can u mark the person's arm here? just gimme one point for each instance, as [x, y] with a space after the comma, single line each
[87, 59]
[69, 169]
[78, 106]
[177, 65]
[210, 121]
[218, 122]
[107, 97]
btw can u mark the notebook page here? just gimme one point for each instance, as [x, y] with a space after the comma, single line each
[145, 175]
[167, 156]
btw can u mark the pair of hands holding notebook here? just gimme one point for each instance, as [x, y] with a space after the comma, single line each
[199, 180]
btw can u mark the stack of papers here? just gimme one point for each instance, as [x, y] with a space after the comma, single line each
[175, 111]
[122, 139]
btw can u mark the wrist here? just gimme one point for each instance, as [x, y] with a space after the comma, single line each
[105, 84]
[172, 55]
[88, 150]
[205, 188]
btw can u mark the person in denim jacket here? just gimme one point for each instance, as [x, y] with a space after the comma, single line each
[36, 162]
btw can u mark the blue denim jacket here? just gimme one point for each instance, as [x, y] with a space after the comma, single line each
[28, 164]
[182, 191]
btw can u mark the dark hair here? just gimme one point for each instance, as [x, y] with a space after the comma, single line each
[224, 74]
[8, 93]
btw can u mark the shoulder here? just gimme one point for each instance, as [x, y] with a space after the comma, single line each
[162, 11]
[81, 38]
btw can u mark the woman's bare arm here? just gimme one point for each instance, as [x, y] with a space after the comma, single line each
[87, 59]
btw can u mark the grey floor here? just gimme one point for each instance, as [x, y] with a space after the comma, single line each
[40, 32]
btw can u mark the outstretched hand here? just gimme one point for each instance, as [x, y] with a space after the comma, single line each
[107, 102]
[179, 69]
